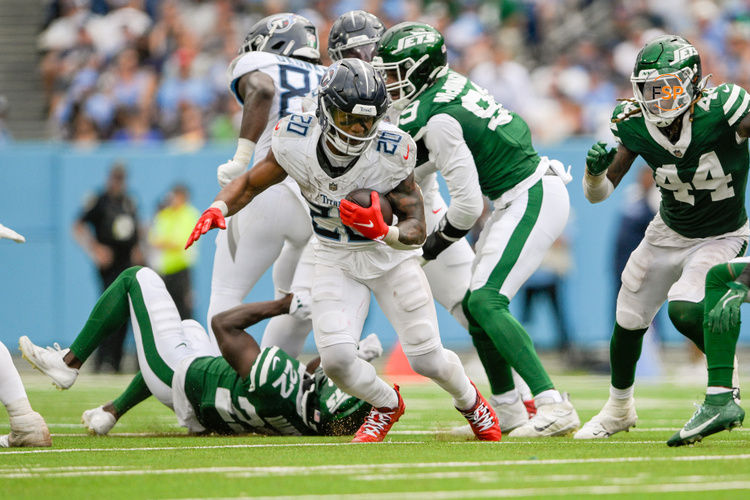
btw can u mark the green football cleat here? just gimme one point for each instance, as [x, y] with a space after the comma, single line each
[709, 419]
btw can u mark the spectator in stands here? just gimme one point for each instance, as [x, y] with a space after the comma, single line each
[169, 232]
[107, 230]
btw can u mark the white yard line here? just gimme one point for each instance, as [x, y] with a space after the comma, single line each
[525, 492]
[347, 469]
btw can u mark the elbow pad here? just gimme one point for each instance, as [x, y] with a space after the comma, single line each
[445, 235]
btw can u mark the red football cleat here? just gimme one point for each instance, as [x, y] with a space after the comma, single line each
[530, 407]
[379, 422]
[482, 419]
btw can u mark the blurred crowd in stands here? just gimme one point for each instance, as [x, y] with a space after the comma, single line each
[148, 71]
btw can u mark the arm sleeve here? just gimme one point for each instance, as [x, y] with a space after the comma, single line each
[445, 142]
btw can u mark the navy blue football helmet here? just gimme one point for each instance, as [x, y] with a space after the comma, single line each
[351, 102]
[355, 34]
[285, 34]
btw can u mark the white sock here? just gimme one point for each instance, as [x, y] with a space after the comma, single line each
[521, 386]
[505, 398]
[715, 389]
[355, 376]
[446, 370]
[11, 387]
[18, 408]
[547, 397]
[620, 394]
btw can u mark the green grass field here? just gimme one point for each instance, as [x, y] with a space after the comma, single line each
[148, 456]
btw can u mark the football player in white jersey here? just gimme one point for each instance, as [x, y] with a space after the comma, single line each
[344, 147]
[27, 427]
[277, 67]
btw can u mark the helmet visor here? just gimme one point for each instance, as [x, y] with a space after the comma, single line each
[365, 51]
[666, 95]
[351, 133]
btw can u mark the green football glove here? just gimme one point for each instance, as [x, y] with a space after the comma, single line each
[725, 315]
[598, 158]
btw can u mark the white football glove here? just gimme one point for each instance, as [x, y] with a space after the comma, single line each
[300, 306]
[229, 171]
[370, 348]
[6, 232]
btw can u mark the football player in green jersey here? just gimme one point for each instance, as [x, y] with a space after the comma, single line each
[727, 287]
[481, 148]
[247, 390]
[694, 139]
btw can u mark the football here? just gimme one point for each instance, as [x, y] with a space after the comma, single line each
[362, 198]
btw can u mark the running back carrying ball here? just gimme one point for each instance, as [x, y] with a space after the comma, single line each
[362, 198]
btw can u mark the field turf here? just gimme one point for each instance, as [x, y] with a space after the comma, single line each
[148, 456]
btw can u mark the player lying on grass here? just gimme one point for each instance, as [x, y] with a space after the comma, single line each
[247, 390]
[695, 141]
[727, 287]
[27, 427]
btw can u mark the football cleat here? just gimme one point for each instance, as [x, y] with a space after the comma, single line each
[379, 421]
[98, 421]
[482, 419]
[614, 417]
[28, 430]
[709, 419]
[551, 419]
[49, 361]
[509, 416]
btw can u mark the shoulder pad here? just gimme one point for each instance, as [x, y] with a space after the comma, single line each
[296, 125]
[732, 99]
[249, 62]
[625, 110]
[396, 145]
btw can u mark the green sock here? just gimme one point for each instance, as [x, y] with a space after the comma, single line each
[136, 392]
[490, 310]
[111, 311]
[624, 351]
[720, 347]
[687, 317]
[495, 366]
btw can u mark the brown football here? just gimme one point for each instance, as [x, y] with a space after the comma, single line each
[362, 198]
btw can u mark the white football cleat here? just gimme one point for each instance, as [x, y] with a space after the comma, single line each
[551, 419]
[370, 348]
[49, 361]
[616, 416]
[509, 416]
[28, 430]
[98, 421]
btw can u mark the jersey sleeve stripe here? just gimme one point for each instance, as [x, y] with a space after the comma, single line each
[267, 365]
[741, 110]
[732, 98]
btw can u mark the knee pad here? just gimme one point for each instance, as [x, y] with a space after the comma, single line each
[685, 315]
[419, 338]
[330, 330]
[628, 314]
[413, 291]
[485, 301]
[337, 360]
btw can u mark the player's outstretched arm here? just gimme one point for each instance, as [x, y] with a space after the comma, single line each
[604, 170]
[406, 200]
[237, 347]
[257, 91]
[237, 194]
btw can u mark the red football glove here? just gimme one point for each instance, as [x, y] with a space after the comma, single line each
[366, 221]
[210, 219]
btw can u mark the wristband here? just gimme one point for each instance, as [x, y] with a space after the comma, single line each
[244, 153]
[597, 187]
[391, 239]
[449, 231]
[222, 206]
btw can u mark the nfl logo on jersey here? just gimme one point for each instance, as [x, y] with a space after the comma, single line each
[333, 186]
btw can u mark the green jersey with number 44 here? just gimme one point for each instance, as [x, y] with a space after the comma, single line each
[499, 140]
[702, 176]
[277, 397]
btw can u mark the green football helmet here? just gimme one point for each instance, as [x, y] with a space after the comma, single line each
[412, 55]
[666, 78]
